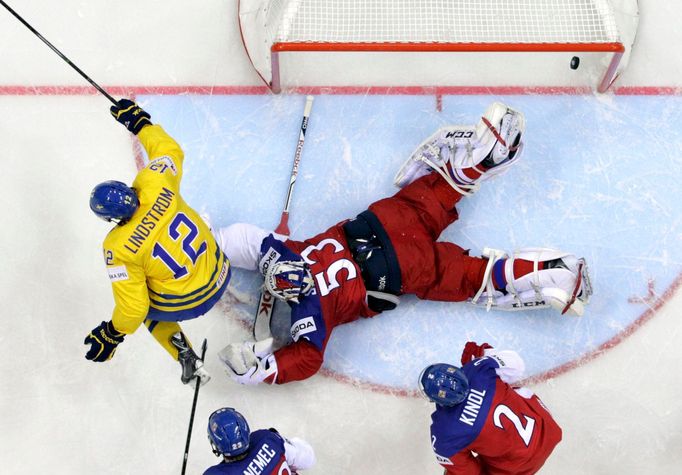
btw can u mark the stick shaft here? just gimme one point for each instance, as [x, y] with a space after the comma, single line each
[194, 407]
[283, 227]
[266, 302]
[61, 55]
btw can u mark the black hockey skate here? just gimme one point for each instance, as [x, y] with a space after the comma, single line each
[192, 366]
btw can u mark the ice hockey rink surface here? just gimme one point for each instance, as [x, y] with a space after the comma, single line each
[599, 178]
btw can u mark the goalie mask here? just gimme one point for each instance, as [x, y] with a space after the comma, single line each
[288, 280]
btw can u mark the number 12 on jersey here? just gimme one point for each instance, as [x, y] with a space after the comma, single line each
[175, 232]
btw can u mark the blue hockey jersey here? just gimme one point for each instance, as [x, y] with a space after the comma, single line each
[266, 456]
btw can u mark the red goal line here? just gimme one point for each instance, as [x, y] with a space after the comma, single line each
[127, 91]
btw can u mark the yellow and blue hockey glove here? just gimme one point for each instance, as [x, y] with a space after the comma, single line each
[103, 340]
[132, 116]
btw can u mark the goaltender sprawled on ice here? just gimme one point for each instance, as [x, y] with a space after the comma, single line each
[360, 267]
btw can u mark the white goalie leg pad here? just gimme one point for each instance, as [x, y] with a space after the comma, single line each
[499, 131]
[565, 286]
[434, 153]
[489, 148]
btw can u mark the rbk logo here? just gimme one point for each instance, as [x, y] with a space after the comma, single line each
[266, 303]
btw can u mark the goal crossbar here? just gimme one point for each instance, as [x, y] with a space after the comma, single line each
[451, 47]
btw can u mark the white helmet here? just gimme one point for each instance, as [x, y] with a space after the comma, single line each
[288, 280]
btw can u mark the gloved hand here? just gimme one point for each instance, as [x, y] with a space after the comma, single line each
[132, 116]
[472, 350]
[104, 339]
[250, 362]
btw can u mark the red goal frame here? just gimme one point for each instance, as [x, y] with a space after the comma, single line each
[618, 49]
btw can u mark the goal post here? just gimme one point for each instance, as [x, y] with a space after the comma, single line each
[272, 27]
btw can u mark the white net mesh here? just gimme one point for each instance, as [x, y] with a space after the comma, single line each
[441, 21]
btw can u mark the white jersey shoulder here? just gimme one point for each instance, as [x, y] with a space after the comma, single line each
[512, 367]
[241, 243]
[299, 453]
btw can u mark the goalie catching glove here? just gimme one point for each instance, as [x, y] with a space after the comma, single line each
[250, 362]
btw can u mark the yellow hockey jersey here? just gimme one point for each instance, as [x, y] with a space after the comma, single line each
[164, 264]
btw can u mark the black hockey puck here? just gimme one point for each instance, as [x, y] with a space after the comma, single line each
[575, 62]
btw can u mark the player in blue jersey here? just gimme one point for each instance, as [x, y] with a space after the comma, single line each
[263, 452]
[482, 424]
[164, 263]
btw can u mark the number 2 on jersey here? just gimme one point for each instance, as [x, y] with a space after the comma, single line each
[526, 432]
[187, 245]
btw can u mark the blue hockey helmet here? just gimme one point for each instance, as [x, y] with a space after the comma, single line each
[113, 201]
[228, 432]
[444, 384]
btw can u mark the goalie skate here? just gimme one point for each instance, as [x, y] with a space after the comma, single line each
[563, 283]
[466, 155]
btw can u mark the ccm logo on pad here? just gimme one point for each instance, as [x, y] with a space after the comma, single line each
[303, 326]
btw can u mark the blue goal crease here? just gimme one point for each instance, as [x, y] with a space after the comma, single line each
[599, 178]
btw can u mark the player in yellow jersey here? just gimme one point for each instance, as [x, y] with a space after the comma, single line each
[163, 261]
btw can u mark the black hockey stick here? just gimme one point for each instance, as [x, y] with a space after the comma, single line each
[194, 407]
[266, 302]
[53, 48]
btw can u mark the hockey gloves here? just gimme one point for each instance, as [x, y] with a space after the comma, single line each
[473, 351]
[104, 340]
[250, 362]
[132, 116]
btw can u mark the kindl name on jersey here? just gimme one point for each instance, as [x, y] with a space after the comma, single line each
[473, 405]
[148, 222]
[262, 459]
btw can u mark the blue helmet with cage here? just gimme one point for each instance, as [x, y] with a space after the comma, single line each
[113, 201]
[444, 384]
[228, 432]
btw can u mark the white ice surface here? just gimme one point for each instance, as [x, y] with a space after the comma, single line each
[620, 412]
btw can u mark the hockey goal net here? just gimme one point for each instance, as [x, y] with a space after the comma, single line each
[270, 27]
